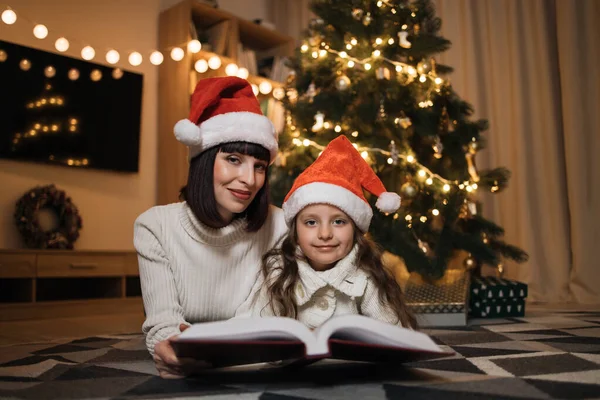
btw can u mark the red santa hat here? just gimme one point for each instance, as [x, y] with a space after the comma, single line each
[225, 110]
[338, 178]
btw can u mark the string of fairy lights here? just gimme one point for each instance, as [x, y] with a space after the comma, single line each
[208, 61]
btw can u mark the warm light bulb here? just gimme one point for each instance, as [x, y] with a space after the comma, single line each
[353, 42]
[410, 159]
[9, 17]
[348, 46]
[343, 54]
[73, 75]
[337, 128]
[306, 142]
[49, 71]
[367, 66]
[265, 87]
[117, 73]
[376, 53]
[231, 69]
[243, 73]
[390, 160]
[194, 46]
[95, 75]
[87, 53]
[422, 78]
[135, 58]
[446, 188]
[214, 62]
[398, 68]
[391, 41]
[380, 3]
[304, 48]
[278, 93]
[364, 154]
[201, 66]
[61, 44]
[177, 54]
[156, 58]
[422, 173]
[25, 64]
[322, 53]
[40, 31]
[438, 81]
[423, 218]
[378, 41]
[355, 134]
[429, 181]
[435, 211]
[350, 64]
[112, 57]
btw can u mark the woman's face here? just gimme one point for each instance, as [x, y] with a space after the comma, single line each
[325, 235]
[237, 180]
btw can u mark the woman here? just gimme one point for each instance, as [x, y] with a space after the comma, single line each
[198, 259]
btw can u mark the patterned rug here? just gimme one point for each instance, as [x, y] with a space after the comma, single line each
[542, 356]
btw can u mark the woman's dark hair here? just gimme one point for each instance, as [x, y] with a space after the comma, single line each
[199, 192]
[369, 258]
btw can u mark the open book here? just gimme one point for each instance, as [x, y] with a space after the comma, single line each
[350, 337]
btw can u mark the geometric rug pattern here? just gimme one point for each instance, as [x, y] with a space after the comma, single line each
[544, 355]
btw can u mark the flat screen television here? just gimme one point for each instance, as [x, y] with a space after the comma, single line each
[67, 111]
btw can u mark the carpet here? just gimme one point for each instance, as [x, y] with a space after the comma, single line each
[545, 355]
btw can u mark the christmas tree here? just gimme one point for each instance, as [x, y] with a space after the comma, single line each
[366, 69]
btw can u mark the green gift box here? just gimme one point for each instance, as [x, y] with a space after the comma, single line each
[497, 308]
[495, 288]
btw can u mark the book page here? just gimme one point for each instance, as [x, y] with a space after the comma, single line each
[368, 330]
[253, 328]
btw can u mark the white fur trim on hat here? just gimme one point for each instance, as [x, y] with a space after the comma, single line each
[239, 126]
[327, 193]
[388, 202]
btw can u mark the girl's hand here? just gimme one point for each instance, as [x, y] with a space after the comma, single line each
[170, 366]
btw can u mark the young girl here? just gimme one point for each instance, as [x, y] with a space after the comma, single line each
[326, 266]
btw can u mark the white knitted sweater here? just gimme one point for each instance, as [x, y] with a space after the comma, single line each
[190, 272]
[322, 295]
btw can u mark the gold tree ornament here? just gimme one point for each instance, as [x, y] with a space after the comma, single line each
[342, 83]
[469, 262]
[404, 121]
[408, 190]
[357, 14]
[423, 67]
[470, 157]
[367, 19]
[437, 147]
[382, 73]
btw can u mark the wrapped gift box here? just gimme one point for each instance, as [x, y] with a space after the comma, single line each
[440, 303]
[492, 297]
[497, 308]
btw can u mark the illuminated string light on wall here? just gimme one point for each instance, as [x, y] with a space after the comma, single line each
[137, 58]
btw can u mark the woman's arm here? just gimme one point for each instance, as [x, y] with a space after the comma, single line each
[164, 314]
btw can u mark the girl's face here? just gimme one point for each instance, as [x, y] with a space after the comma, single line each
[237, 180]
[325, 235]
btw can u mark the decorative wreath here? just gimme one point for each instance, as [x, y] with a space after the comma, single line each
[27, 218]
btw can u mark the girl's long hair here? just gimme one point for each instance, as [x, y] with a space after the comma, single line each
[280, 286]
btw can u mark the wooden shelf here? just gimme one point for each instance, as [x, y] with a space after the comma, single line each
[178, 79]
[31, 278]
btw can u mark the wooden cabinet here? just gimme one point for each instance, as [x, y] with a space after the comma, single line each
[50, 283]
[178, 79]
